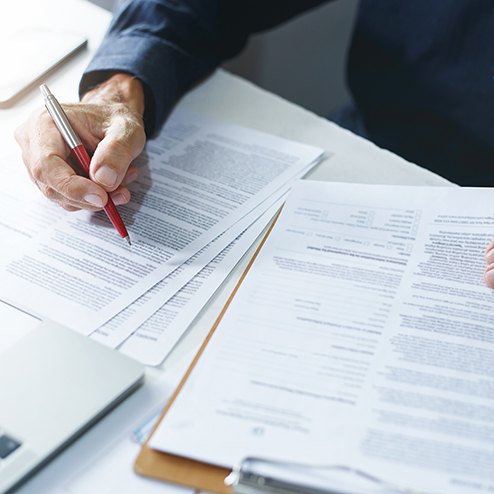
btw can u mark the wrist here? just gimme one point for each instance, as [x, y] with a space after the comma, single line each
[119, 88]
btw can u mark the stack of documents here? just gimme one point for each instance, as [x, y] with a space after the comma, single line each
[206, 190]
[362, 336]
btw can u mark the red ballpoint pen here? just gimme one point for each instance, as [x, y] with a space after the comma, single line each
[79, 153]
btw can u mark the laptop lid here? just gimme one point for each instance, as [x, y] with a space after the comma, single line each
[54, 383]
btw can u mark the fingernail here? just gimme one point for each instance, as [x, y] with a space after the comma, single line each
[106, 176]
[119, 199]
[489, 277]
[95, 200]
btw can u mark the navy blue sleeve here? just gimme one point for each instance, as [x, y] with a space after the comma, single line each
[170, 45]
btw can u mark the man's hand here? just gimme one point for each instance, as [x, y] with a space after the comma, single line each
[109, 123]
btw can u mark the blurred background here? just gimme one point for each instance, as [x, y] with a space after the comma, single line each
[302, 60]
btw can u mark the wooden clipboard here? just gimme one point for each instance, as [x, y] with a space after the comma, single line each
[178, 469]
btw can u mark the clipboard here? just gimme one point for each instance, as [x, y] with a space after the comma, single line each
[178, 469]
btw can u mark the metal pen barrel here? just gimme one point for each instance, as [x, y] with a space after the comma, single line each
[60, 118]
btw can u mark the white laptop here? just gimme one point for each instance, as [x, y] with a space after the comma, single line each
[54, 383]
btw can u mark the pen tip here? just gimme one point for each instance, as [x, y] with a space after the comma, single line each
[128, 240]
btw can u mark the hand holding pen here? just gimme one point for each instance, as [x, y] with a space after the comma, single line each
[109, 123]
[79, 153]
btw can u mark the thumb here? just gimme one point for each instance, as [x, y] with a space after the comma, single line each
[123, 141]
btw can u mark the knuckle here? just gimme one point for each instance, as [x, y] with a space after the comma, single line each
[64, 186]
[120, 110]
[37, 170]
[128, 119]
[48, 192]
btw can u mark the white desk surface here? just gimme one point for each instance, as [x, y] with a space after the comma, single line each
[222, 96]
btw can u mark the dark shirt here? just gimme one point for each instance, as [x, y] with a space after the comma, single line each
[421, 72]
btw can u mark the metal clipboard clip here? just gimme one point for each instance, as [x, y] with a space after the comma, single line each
[262, 476]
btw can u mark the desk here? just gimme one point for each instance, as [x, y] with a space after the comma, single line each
[222, 96]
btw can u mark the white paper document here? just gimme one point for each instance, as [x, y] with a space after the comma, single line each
[198, 178]
[362, 336]
[193, 273]
[155, 339]
[25, 212]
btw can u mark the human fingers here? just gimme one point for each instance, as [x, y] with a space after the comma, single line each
[123, 141]
[121, 195]
[111, 113]
[44, 154]
[87, 202]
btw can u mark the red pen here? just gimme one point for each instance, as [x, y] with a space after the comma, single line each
[79, 153]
